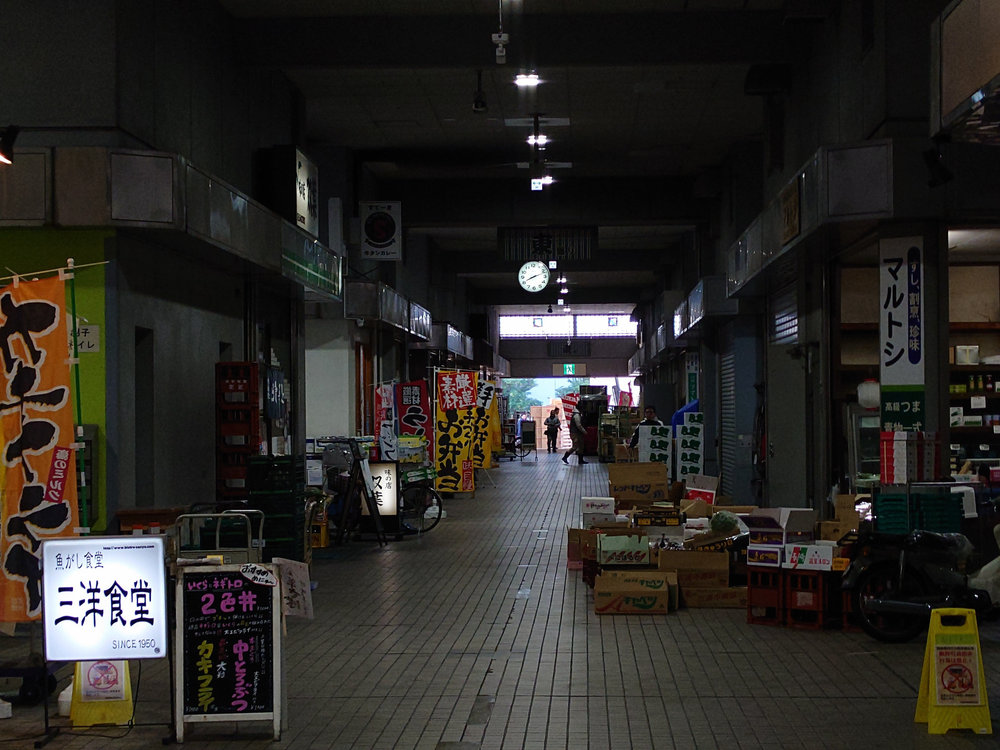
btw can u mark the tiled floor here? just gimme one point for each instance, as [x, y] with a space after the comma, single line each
[476, 636]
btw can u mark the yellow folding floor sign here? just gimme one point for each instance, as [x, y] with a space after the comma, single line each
[952, 684]
[102, 694]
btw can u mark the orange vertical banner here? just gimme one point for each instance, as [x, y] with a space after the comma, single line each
[38, 498]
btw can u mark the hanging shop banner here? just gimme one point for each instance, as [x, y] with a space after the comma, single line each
[901, 340]
[901, 315]
[105, 598]
[454, 430]
[38, 498]
[414, 410]
[496, 429]
[385, 421]
[381, 230]
[484, 425]
[569, 402]
[227, 645]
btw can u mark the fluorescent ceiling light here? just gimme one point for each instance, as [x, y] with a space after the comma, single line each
[541, 139]
[526, 80]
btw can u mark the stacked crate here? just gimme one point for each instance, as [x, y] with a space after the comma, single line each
[237, 409]
[277, 488]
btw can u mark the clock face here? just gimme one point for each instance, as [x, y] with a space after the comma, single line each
[533, 276]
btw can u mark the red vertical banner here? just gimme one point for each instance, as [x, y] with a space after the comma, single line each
[454, 430]
[38, 497]
[385, 422]
[569, 405]
[413, 408]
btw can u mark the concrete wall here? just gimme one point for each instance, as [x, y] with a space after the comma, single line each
[161, 74]
[330, 376]
[192, 311]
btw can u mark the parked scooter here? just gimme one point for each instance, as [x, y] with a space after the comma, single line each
[896, 580]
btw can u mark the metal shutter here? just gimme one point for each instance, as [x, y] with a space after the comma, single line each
[783, 315]
[727, 412]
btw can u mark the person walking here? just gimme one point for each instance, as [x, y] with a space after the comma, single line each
[576, 433]
[552, 429]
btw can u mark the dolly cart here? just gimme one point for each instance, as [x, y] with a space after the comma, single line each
[228, 535]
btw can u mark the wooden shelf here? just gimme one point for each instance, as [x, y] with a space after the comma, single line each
[974, 430]
[989, 396]
[988, 326]
[973, 369]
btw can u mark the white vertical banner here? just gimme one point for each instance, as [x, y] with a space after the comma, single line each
[690, 446]
[381, 230]
[901, 311]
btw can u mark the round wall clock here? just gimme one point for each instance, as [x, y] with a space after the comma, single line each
[533, 276]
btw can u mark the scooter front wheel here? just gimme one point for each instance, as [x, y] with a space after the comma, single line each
[880, 584]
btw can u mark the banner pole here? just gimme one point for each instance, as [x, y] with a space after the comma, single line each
[84, 521]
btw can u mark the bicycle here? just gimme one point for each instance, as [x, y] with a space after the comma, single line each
[420, 507]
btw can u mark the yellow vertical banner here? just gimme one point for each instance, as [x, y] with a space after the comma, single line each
[38, 497]
[454, 424]
[484, 426]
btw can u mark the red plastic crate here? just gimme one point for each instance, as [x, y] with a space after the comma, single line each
[807, 599]
[765, 596]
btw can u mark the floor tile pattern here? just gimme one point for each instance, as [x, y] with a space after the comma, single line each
[476, 637]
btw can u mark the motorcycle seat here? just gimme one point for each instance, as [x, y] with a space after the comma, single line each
[932, 540]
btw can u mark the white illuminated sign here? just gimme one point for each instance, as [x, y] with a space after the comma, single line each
[104, 598]
[383, 487]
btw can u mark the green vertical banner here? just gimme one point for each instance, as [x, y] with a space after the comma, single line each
[904, 408]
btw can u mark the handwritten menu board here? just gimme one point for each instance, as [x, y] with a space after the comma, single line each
[228, 646]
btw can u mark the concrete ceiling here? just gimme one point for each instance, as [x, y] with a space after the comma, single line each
[646, 98]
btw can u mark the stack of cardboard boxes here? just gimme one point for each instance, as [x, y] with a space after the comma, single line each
[619, 554]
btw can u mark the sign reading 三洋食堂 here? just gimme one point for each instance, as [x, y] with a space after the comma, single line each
[104, 598]
[227, 643]
[901, 334]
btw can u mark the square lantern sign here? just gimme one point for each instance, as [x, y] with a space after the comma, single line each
[104, 598]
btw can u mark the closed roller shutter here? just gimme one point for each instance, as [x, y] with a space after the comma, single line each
[783, 316]
[727, 412]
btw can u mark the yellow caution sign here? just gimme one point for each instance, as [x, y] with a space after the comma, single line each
[102, 694]
[952, 684]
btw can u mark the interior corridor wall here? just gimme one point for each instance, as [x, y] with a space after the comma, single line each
[330, 377]
[182, 315]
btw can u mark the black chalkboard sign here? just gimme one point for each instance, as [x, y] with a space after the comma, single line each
[228, 645]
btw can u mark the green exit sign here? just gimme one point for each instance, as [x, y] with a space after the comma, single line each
[578, 369]
[569, 369]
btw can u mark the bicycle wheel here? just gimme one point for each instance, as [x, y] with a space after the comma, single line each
[419, 509]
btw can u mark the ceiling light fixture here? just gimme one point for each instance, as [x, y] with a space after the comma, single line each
[564, 290]
[7, 137]
[560, 301]
[500, 38]
[538, 140]
[550, 308]
[526, 80]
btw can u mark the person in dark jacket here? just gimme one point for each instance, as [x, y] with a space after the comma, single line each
[552, 426]
[649, 418]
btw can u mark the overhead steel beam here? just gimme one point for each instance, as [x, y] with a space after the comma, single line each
[709, 37]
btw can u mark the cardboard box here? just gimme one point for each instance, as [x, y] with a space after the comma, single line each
[618, 597]
[834, 530]
[573, 559]
[597, 505]
[765, 555]
[638, 481]
[740, 510]
[693, 493]
[809, 556]
[696, 568]
[589, 538]
[696, 508]
[713, 540]
[590, 520]
[623, 550]
[781, 526]
[648, 580]
[715, 597]
[657, 517]
[623, 454]
[843, 507]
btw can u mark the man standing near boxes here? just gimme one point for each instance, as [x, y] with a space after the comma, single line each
[577, 432]
[649, 418]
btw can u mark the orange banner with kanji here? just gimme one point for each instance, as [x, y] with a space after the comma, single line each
[38, 498]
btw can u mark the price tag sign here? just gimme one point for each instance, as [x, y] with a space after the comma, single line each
[977, 402]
